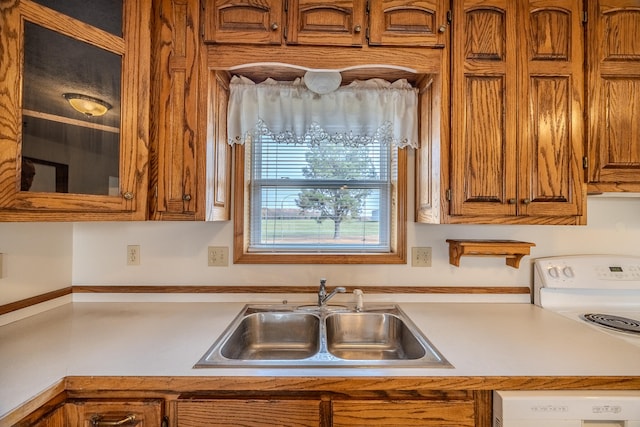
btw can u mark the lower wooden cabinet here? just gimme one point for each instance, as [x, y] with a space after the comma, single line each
[285, 408]
[102, 413]
[147, 413]
[248, 413]
[427, 413]
[326, 412]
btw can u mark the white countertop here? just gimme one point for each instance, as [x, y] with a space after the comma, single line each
[168, 338]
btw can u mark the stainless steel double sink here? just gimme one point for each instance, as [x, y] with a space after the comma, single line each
[292, 336]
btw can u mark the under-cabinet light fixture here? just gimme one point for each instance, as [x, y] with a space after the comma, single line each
[322, 82]
[87, 105]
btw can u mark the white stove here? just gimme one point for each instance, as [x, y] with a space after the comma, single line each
[602, 291]
[602, 288]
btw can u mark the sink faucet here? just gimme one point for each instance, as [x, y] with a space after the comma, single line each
[323, 297]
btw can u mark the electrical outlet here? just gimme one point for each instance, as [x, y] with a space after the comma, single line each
[218, 256]
[421, 257]
[133, 255]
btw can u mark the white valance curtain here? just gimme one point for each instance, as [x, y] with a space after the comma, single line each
[356, 114]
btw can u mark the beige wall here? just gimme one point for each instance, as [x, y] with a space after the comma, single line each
[175, 253]
[37, 259]
[40, 257]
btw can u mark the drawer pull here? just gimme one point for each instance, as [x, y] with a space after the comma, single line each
[97, 421]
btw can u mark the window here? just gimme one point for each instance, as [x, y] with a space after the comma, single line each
[319, 186]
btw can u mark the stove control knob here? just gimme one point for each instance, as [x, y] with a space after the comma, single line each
[568, 272]
[554, 272]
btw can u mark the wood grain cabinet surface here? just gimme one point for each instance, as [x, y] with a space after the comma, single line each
[248, 412]
[325, 412]
[405, 413]
[613, 60]
[114, 413]
[103, 413]
[517, 118]
[121, 192]
[323, 23]
[189, 155]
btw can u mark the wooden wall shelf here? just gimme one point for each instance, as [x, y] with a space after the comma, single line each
[512, 250]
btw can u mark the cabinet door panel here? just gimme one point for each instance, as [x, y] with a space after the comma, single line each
[336, 23]
[403, 23]
[176, 144]
[349, 413]
[218, 149]
[551, 126]
[614, 88]
[484, 114]
[517, 117]
[120, 190]
[91, 413]
[248, 413]
[243, 21]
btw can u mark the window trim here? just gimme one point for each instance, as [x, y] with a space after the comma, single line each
[242, 256]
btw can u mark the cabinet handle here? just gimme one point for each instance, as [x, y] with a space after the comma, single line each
[526, 201]
[274, 26]
[357, 29]
[512, 201]
[186, 197]
[96, 421]
[442, 28]
[128, 195]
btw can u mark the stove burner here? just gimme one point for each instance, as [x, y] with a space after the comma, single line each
[618, 323]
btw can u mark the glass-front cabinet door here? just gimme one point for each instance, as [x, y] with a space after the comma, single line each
[74, 83]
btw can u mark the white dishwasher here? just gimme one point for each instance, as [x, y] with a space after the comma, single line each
[570, 408]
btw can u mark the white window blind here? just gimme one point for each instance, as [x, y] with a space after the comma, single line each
[328, 197]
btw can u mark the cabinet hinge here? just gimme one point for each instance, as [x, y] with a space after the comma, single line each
[585, 17]
[286, 5]
[285, 32]
[366, 33]
[585, 162]
[368, 7]
[202, 20]
[449, 16]
[447, 194]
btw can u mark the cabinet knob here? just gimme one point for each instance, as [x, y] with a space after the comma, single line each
[128, 195]
[511, 201]
[274, 26]
[526, 201]
[442, 28]
[357, 29]
[186, 197]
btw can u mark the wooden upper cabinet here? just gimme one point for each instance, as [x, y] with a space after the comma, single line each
[244, 21]
[613, 58]
[335, 23]
[551, 125]
[218, 155]
[407, 23]
[327, 23]
[517, 95]
[177, 147]
[87, 166]
[484, 99]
